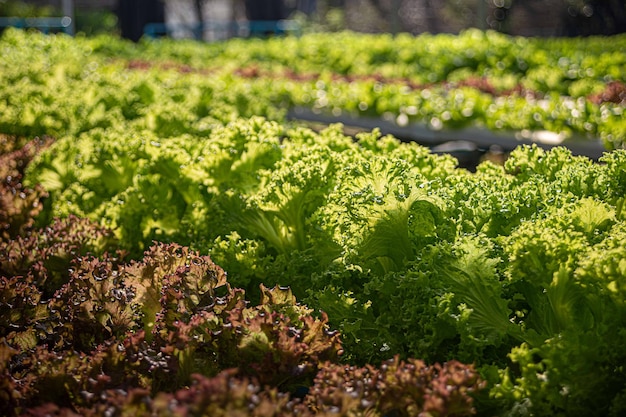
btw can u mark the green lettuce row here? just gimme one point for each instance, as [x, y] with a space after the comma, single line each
[171, 97]
[71, 98]
[545, 65]
[405, 252]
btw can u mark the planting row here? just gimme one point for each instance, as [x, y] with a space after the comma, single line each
[168, 85]
[168, 335]
[516, 269]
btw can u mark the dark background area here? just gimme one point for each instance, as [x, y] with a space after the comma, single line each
[515, 17]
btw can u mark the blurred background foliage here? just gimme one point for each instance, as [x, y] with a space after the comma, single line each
[91, 18]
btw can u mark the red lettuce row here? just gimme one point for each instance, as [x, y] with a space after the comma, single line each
[167, 334]
[19, 205]
[228, 394]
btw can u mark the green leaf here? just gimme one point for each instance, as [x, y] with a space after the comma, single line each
[473, 278]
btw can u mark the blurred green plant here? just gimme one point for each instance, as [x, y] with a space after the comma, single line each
[23, 9]
[89, 22]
